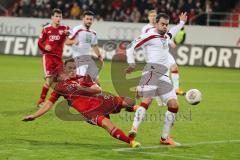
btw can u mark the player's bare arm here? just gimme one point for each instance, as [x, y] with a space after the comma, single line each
[94, 89]
[97, 52]
[45, 108]
[71, 42]
[67, 32]
[183, 19]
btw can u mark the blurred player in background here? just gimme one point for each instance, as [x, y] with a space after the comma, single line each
[51, 43]
[82, 39]
[85, 96]
[155, 80]
[173, 67]
[152, 14]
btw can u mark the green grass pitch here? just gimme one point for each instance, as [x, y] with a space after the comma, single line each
[209, 130]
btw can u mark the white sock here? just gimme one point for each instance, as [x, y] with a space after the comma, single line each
[175, 80]
[168, 121]
[159, 101]
[138, 118]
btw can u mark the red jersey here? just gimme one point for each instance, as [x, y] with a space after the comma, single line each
[84, 102]
[55, 37]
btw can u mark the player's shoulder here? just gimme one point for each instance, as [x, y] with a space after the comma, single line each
[144, 28]
[149, 34]
[147, 28]
[82, 28]
[78, 27]
[47, 26]
[93, 31]
[64, 26]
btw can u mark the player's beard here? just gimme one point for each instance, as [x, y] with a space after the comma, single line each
[161, 32]
[87, 25]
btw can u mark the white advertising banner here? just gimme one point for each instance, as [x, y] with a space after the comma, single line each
[197, 35]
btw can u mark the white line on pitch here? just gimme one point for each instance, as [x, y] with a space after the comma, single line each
[183, 145]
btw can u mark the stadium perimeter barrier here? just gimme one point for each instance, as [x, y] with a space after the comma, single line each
[204, 45]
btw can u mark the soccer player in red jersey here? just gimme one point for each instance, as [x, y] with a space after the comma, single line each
[51, 43]
[85, 96]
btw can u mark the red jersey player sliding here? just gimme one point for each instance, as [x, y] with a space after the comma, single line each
[51, 43]
[85, 96]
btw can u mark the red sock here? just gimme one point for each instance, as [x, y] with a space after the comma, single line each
[44, 92]
[119, 134]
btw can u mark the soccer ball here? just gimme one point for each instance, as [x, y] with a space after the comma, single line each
[193, 96]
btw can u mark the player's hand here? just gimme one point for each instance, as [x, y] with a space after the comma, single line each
[101, 59]
[28, 118]
[183, 16]
[48, 48]
[76, 42]
[130, 69]
[67, 32]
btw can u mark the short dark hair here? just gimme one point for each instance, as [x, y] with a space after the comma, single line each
[68, 61]
[88, 13]
[162, 15]
[56, 10]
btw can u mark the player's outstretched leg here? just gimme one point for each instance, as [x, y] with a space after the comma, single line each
[168, 122]
[116, 132]
[44, 91]
[43, 94]
[139, 116]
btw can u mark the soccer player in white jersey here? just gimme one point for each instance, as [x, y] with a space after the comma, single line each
[173, 67]
[82, 39]
[154, 80]
[152, 21]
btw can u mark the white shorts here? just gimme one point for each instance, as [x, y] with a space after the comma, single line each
[86, 65]
[163, 88]
[82, 70]
[171, 60]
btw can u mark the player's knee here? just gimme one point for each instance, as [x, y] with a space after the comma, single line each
[173, 105]
[48, 81]
[174, 68]
[105, 123]
[100, 121]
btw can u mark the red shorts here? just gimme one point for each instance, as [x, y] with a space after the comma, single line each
[52, 65]
[93, 107]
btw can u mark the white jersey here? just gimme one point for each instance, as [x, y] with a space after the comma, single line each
[86, 38]
[148, 28]
[156, 46]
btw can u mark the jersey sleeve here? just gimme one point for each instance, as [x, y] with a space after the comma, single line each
[94, 40]
[139, 42]
[170, 41]
[173, 31]
[54, 97]
[73, 33]
[42, 40]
